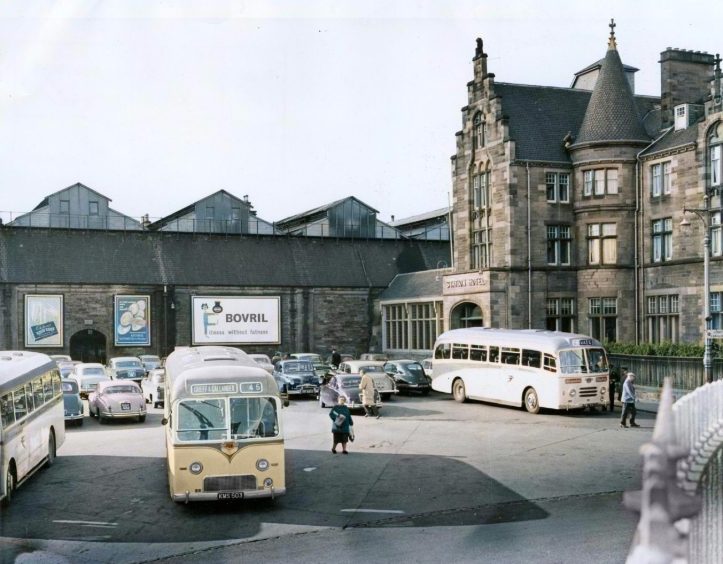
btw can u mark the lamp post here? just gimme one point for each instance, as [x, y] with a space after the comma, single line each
[704, 215]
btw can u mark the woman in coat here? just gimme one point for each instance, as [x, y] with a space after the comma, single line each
[341, 426]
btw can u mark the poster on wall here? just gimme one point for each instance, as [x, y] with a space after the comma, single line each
[234, 320]
[132, 321]
[43, 320]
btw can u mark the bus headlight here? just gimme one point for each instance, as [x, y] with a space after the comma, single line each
[573, 393]
[603, 391]
[262, 464]
[268, 482]
[195, 467]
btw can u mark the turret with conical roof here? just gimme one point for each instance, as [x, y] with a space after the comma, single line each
[612, 115]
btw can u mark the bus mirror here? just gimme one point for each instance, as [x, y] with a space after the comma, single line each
[164, 421]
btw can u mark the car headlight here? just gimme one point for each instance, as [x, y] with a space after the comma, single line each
[573, 393]
[195, 468]
[268, 482]
[262, 464]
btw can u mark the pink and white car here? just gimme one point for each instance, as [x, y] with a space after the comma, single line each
[114, 399]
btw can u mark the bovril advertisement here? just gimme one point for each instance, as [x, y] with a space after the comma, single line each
[231, 320]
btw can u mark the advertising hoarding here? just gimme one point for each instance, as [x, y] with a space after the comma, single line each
[234, 320]
[43, 320]
[132, 324]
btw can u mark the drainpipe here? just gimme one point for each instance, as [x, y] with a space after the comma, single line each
[451, 230]
[529, 253]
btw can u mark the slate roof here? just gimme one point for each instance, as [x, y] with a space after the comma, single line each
[415, 285]
[672, 139]
[46, 256]
[612, 113]
[441, 212]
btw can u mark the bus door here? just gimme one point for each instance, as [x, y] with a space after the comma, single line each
[16, 440]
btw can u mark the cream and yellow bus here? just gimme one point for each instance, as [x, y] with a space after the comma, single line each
[32, 417]
[525, 367]
[224, 432]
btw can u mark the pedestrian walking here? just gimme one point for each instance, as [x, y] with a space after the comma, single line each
[342, 425]
[613, 382]
[368, 393]
[335, 358]
[628, 399]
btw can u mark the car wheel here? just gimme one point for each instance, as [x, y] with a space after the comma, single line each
[458, 391]
[101, 419]
[9, 487]
[141, 418]
[79, 422]
[425, 392]
[532, 403]
[51, 450]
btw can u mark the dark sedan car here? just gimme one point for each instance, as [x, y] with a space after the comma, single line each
[297, 377]
[346, 385]
[409, 376]
[72, 402]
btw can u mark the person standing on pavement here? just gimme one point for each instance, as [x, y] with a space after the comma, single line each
[613, 383]
[628, 399]
[367, 394]
[335, 358]
[342, 424]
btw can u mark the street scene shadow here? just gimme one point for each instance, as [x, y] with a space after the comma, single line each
[125, 499]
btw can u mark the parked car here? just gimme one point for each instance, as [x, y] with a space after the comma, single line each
[427, 365]
[113, 399]
[153, 387]
[150, 361]
[263, 361]
[320, 367]
[297, 377]
[66, 367]
[88, 374]
[377, 357]
[409, 376]
[72, 402]
[126, 368]
[61, 357]
[382, 381]
[346, 385]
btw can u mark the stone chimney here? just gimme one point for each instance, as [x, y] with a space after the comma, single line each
[685, 78]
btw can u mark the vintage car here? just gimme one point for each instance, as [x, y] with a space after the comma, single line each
[296, 377]
[263, 361]
[409, 376]
[376, 357]
[346, 385]
[150, 361]
[320, 367]
[88, 374]
[66, 367]
[427, 365]
[382, 381]
[126, 368]
[61, 357]
[72, 402]
[153, 387]
[114, 399]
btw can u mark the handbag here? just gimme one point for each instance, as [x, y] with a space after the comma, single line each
[339, 421]
[351, 433]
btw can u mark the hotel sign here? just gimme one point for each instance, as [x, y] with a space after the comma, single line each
[469, 283]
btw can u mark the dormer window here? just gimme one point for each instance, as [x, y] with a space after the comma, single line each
[478, 131]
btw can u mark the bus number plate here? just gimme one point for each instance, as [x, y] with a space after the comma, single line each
[230, 495]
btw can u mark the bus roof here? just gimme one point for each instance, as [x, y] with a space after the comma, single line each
[539, 339]
[187, 366]
[16, 366]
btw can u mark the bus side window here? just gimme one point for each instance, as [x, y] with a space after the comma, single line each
[38, 395]
[550, 364]
[510, 356]
[442, 351]
[20, 401]
[494, 354]
[7, 411]
[48, 387]
[531, 358]
[478, 353]
[56, 383]
[460, 352]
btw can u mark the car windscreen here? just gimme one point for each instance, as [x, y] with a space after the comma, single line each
[572, 361]
[69, 387]
[121, 390]
[150, 359]
[301, 366]
[372, 368]
[128, 364]
[201, 420]
[93, 371]
[415, 369]
[350, 382]
[253, 417]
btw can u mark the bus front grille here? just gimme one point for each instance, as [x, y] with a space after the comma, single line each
[588, 392]
[229, 483]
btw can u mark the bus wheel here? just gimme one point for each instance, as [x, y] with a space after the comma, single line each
[458, 391]
[532, 403]
[9, 486]
[51, 450]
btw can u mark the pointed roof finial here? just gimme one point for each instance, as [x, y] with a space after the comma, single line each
[611, 42]
[479, 50]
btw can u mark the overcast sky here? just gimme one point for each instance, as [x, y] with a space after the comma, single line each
[156, 104]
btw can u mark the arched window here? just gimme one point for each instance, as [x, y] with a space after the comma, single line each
[465, 315]
[715, 142]
[478, 131]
